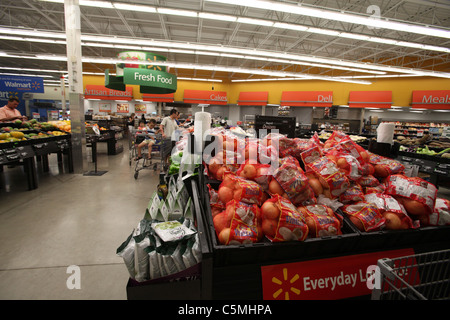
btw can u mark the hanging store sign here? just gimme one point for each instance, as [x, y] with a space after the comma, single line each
[431, 99]
[151, 78]
[253, 98]
[20, 84]
[370, 99]
[158, 97]
[205, 97]
[307, 98]
[324, 279]
[103, 93]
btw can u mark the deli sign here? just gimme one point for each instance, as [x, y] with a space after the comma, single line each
[431, 99]
[324, 279]
[307, 98]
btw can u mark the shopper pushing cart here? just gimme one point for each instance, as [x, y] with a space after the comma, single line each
[168, 127]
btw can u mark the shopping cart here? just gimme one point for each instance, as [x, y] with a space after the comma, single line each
[144, 162]
[424, 276]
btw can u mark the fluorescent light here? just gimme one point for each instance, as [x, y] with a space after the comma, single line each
[290, 26]
[218, 17]
[98, 4]
[134, 7]
[338, 16]
[184, 13]
[260, 22]
[324, 31]
[26, 75]
[441, 110]
[36, 70]
[413, 111]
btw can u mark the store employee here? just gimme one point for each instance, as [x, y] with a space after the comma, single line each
[9, 112]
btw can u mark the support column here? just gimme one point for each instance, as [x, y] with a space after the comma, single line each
[75, 68]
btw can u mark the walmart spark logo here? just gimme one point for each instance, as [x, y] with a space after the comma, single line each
[286, 285]
[35, 85]
[13, 94]
[152, 66]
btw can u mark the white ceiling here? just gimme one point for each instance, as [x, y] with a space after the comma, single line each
[138, 27]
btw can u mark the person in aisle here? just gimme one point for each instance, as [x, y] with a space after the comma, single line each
[427, 137]
[130, 123]
[149, 139]
[142, 127]
[9, 112]
[168, 127]
[143, 119]
[178, 120]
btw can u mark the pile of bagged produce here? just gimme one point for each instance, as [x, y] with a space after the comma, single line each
[291, 189]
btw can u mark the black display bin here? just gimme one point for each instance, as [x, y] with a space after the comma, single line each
[237, 268]
[191, 284]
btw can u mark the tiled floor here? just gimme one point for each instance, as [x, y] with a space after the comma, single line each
[70, 219]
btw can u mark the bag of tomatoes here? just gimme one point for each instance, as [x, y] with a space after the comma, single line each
[281, 221]
[365, 216]
[417, 195]
[384, 167]
[260, 173]
[240, 223]
[321, 220]
[240, 189]
[290, 181]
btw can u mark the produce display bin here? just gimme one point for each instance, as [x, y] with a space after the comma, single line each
[193, 283]
[237, 269]
[423, 276]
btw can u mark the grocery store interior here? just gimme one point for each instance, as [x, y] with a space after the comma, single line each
[350, 99]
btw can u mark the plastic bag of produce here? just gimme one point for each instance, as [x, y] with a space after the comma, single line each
[170, 231]
[244, 224]
[240, 189]
[315, 138]
[350, 147]
[393, 212]
[126, 251]
[332, 179]
[281, 221]
[292, 182]
[142, 241]
[380, 188]
[257, 152]
[354, 193]
[440, 215]
[417, 195]
[321, 220]
[348, 164]
[365, 216]
[368, 181]
[216, 205]
[260, 173]
[384, 167]
[335, 138]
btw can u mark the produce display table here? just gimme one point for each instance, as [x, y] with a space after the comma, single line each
[24, 153]
[437, 167]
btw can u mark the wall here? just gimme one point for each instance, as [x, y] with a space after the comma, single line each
[401, 88]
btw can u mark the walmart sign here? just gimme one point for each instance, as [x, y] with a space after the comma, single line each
[21, 84]
[15, 86]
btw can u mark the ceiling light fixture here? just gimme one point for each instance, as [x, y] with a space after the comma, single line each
[339, 16]
[268, 23]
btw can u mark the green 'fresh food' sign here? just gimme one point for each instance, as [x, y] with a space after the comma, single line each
[151, 78]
